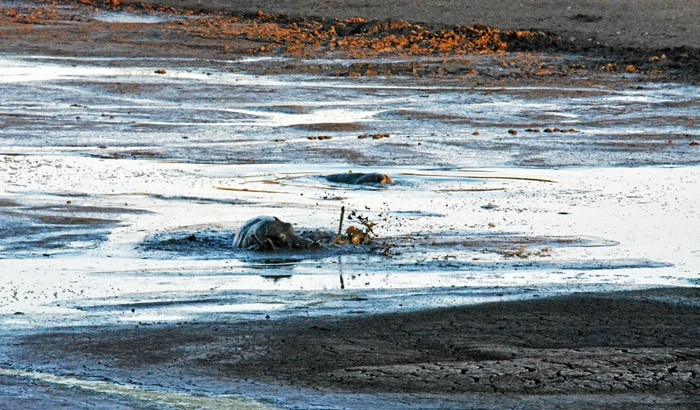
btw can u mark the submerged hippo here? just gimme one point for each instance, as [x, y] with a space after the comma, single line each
[267, 233]
[360, 178]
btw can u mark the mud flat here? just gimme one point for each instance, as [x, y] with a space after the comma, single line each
[537, 246]
[613, 350]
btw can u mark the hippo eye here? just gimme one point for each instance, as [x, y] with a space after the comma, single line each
[283, 237]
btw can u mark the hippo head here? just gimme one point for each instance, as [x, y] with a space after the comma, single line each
[281, 234]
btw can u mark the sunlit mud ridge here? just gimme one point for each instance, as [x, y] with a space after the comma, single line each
[355, 37]
[116, 395]
[218, 35]
[305, 37]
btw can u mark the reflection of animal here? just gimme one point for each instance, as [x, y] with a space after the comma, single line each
[267, 233]
[360, 178]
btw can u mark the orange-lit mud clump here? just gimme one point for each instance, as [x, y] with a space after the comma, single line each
[33, 15]
[352, 37]
[65, 27]
[263, 33]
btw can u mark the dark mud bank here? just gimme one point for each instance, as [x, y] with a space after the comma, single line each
[631, 344]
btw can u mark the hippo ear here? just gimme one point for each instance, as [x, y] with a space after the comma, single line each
[276, 219]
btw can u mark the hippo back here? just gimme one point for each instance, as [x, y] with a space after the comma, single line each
[243, 238]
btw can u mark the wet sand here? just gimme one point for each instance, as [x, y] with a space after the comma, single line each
[635, 349]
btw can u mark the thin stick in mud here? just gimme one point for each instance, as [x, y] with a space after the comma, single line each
[340, 223]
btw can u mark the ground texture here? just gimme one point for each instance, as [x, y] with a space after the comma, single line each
[638, 348]
[626, 350]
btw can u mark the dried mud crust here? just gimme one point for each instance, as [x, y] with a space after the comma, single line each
[620, 343]
[210, 32]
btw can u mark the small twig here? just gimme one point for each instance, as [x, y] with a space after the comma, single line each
[340, 224]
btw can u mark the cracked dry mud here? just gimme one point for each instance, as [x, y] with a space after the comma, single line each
[591, 370]
[626, 344]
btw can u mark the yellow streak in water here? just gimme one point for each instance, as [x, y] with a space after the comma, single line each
[415, 174]
[470, 190]
[171, 399]
[250, 190]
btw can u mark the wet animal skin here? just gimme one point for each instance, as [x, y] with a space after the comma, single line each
[268, 233]
[360, 178]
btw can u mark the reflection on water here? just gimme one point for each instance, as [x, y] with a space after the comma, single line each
[122, 17]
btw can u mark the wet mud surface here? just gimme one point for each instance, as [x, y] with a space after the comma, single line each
[52, 229]
[137, 114]
[543, 175]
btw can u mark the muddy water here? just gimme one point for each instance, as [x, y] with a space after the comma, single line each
[212, 112]
[121, 189]
[134, 181]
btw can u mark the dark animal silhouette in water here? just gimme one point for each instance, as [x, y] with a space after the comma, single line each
[360, 178]
[268, 233]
